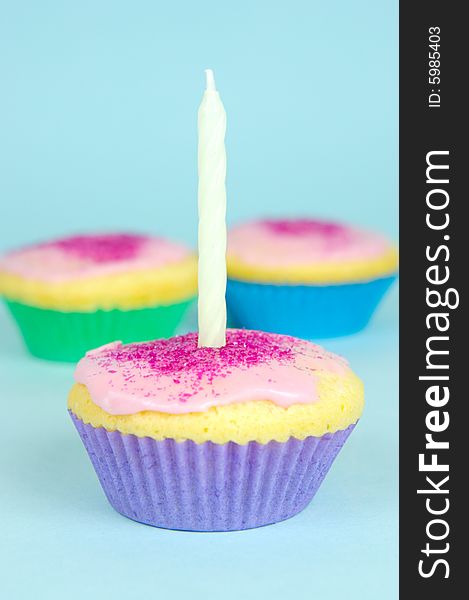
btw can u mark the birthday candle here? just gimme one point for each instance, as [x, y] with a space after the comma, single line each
[212, 212]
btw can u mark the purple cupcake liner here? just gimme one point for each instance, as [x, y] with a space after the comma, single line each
[208, 487]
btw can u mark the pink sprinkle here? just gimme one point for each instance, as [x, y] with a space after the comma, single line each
[101, 248]
[304, 227]
[180, 355]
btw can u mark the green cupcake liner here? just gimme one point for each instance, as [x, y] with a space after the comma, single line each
[67, 336]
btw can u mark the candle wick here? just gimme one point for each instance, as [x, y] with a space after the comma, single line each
[210, 79]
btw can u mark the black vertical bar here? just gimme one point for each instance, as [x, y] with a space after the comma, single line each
[434, 266]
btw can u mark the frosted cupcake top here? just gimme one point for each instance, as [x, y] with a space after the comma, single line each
[84, 256]
[175, 376]
[306, 249]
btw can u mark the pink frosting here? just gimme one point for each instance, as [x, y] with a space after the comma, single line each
[303, 241]
[175, 376]
[84, 256]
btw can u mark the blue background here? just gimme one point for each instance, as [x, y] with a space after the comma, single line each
[98, 132]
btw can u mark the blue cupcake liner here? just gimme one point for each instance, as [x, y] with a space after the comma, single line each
[305, 311]
[66, 336]
[208, 487]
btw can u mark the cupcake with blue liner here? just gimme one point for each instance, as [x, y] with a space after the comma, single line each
[308, 278]
[213, 439]
[83, 291]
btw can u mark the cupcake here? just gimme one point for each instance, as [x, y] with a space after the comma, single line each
[213, 439]
[307, 278]
[80, 292]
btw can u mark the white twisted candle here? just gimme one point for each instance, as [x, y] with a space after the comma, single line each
[212, 212]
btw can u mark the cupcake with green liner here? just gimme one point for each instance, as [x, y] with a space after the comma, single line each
[83, 291]
[213, 439]
[308, 278]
